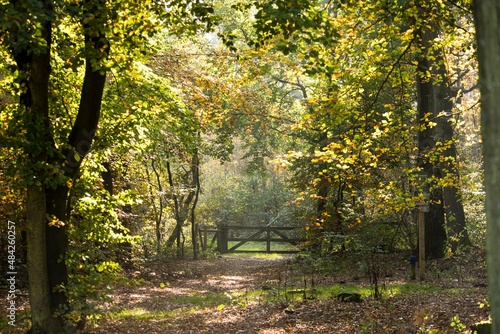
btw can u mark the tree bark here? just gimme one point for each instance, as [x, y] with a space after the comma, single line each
[487, 21]
[36, 221]
[35, 101]
[448, 162]
[435, 231]
[56, 246]
[39, 292]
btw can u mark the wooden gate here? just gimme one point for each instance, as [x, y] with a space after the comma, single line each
[230, 238]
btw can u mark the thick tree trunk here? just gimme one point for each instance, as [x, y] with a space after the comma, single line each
[39, 291]
[48, 240]
[36, 103]
[458, 235]
[435, 231]
[80, 140]
[448, 161]
[57, 245]
[487, 20]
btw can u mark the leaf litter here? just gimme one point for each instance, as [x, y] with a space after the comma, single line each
[249, 295]
[454, 299]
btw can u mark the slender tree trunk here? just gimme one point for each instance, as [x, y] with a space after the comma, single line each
[195, 171]
[158, 210]
[176, 235]
[181, 209]
[107, 178]
[487, 20]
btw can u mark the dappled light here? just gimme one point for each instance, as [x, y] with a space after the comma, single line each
[246, 304]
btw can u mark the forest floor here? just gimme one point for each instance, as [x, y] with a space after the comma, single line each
[245, 294]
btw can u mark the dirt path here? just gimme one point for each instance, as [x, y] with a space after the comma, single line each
[223, 274]
[171, 284]
[245, 295]
[198, 297]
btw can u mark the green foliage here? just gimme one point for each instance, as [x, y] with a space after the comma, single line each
[303, 22]
[95, 218]
[96, 234]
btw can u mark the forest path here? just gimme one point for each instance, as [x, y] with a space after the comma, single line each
[218, 296]
[241, 294]
[229, 273]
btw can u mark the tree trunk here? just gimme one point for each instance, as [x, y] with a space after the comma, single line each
[47, 243]
[448, 161]
[57, 245]
[158, 211]
[123, 253]
[195, 171]
[181, 208]
[435, 231]
[107, 178]
[42, 321]
[487, 20]
[36, 103]
[80, 140]
[176, 234]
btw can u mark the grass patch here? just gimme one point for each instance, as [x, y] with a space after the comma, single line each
[334, 290]
[139, 313]
[423, 288]
[261, 246]
[203, 300]
[185, 305]
[256, 255]
[276, 292]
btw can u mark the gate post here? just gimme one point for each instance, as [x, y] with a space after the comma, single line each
[268, 230]
[222, 236]
[205, 237]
